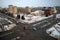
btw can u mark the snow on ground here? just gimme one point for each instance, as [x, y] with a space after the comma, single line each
[31, 18]
[54, 33]
[58, 16]
[58, 26]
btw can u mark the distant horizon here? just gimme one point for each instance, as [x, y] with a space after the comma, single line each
[28, 6]
[29, 3]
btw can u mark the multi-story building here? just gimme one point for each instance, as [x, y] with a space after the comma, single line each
[24, 10]
[10, 9]
[15, 10]
[28, 10]
[0, 9]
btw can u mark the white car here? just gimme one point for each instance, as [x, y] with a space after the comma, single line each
[54, 31]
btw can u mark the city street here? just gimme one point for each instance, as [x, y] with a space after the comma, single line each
[29, 19]
[28, 34]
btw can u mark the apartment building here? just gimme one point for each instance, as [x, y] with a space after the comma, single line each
[15, 10]
[26, 10]
[0, 9]
[11, 9]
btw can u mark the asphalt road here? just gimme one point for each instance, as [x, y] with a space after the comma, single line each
[39, 34]
[29, 34]
[18, 33]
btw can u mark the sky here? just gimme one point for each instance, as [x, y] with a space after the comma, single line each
[30, 3]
